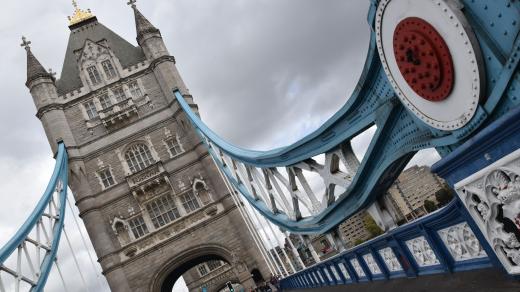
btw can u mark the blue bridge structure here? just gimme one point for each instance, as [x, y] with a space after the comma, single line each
[439, 74]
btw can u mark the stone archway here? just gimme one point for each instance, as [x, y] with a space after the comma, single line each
[174, 268]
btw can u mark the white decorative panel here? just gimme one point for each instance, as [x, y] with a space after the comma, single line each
[422, 252]
[344, 270]
[371, 263]
[492, 197]
[321, 277]
[327, 274]
[315, 277]
[335, 272]
[307, 280]
[357, 267]
[461, 242]
[391, 261]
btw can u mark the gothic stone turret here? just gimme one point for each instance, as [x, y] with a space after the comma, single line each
[43, 89]
[149, 194]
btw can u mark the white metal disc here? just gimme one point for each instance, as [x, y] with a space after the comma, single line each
[446, 18]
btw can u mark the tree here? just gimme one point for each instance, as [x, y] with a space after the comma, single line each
[429, 206]
[358, 241]
[371, 226]
[444, 195]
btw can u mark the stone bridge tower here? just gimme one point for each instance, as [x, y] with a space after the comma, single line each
[152, 200]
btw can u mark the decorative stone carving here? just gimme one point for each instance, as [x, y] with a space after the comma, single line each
[201, 190]
[492, 197]
[167, 132]
[357, 267]
[118, 112]
[166, 232]
[422, 252]
[120, 228]
[154, 177]
[371, 263]
[211, 211]
[131, 251]
[391, 261]
[461, 242]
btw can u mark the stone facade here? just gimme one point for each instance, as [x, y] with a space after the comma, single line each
[405, 199]
[150, 196]
[353, 229]
[412, 188]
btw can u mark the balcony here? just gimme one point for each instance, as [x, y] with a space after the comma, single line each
[152, 177]
[118, 112]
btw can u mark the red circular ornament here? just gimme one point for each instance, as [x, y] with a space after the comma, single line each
[423, 59]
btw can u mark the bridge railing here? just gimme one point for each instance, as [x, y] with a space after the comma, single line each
[441, 242]
[27, 258]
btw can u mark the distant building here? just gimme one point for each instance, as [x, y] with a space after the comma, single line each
[405, 199]
[354, 230]
[323, 247]
[412, 188]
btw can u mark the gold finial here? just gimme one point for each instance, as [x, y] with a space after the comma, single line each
[79, 14]
[25, 43]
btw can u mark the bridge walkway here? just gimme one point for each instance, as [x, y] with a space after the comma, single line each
[484, 280]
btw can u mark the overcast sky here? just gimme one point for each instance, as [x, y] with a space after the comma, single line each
[264, 73]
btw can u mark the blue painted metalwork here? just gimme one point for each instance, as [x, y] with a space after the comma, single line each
[427, 227]
[399, 135]
[490, 145]
[496, 141]
[57, 184]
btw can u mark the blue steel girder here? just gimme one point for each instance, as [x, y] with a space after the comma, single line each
[28, 256]
[399, 135]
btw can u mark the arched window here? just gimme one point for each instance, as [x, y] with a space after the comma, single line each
[202, 192]
[138, 157]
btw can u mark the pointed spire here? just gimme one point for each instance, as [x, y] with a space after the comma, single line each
[143, 26]
[34, 67]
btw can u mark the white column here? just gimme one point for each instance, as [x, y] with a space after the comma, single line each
[282, 245]
[272, 244]
[338, 240]
[294, 250]
[381, 217]
[309, 245]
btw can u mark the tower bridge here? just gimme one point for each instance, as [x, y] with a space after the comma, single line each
[162, 196]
